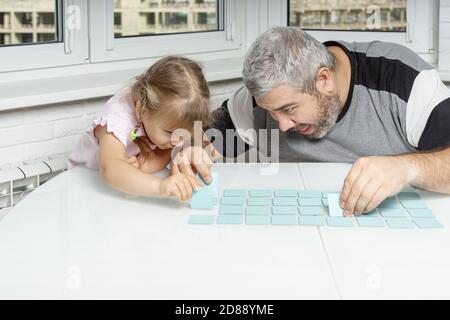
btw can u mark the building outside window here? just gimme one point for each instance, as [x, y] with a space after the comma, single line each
[147, 17]
[25, 21]
[349, 15]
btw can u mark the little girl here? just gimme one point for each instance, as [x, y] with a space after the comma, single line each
[132, 135]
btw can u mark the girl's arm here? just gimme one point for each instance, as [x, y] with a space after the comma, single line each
[122, 176]
[116, 170]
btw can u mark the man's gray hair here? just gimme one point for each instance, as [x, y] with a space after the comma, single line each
[285, 55]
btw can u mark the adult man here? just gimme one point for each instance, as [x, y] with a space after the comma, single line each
[376, 104]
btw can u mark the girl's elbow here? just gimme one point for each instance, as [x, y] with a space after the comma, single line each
[107, 172]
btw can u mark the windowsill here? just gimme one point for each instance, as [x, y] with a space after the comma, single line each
[57, 89]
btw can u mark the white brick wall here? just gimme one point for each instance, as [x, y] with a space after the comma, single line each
[37, 133]
[444, 35]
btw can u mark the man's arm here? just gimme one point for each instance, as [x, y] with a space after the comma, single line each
[430, 170]
[373, 179]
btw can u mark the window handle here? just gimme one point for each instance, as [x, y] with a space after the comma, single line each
[71, 25]
[409, 32]
[231, 31]
[410, 20]
[109, 9]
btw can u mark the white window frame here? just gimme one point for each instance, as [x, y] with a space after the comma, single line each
[420, 35]
[87, 73]
[72, 51]
[104, 47]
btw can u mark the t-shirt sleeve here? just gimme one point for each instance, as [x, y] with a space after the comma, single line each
[428, 112]
[117, 124]
[231, 132]
[436, 133]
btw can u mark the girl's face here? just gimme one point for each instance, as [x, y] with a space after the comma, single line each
[157, 132]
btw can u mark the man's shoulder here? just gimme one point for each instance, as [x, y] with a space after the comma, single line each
[241, 98]
[388, 50]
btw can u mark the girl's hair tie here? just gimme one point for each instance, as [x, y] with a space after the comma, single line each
[133, 134]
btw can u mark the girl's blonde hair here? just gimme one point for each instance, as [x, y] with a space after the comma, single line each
[175, 92]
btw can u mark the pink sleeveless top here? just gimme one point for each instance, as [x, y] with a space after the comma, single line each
[118, 115]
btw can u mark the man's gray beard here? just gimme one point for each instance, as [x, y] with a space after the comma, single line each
[329, 109]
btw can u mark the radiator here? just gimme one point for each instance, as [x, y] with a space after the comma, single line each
[17, 182]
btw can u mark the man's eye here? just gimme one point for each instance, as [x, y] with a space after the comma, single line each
[289, 110]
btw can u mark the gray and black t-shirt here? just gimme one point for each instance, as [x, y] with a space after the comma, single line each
[396, 104]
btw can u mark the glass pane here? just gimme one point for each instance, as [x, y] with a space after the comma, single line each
[351, 15]
[28, 21]
[149, 17]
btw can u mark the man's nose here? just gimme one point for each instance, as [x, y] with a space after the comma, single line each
[285, 123]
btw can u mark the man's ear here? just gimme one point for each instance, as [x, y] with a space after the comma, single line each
[324, 83]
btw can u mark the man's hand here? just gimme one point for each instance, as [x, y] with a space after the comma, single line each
[371, 180]
[190, 159]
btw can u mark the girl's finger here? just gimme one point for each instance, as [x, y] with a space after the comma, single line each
[188, 186]
[132, 159]
[182, 189]
[134, 164]
[176, 192]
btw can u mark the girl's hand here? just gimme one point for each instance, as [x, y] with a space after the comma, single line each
[153, 163]
[137, 162]
[133, 161]
[179, 185]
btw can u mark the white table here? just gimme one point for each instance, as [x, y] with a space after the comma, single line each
[75, 237]
[385, 263]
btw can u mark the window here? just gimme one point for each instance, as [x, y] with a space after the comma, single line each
[117, 20]
[38, 25]
[164, 17]
[24, 37]
[368, 15]
[139, 29]
[46, 19]
[45, 37]
[105, 38]
[22, 22]
[202, 18]
[367, 20]
[149, 18]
